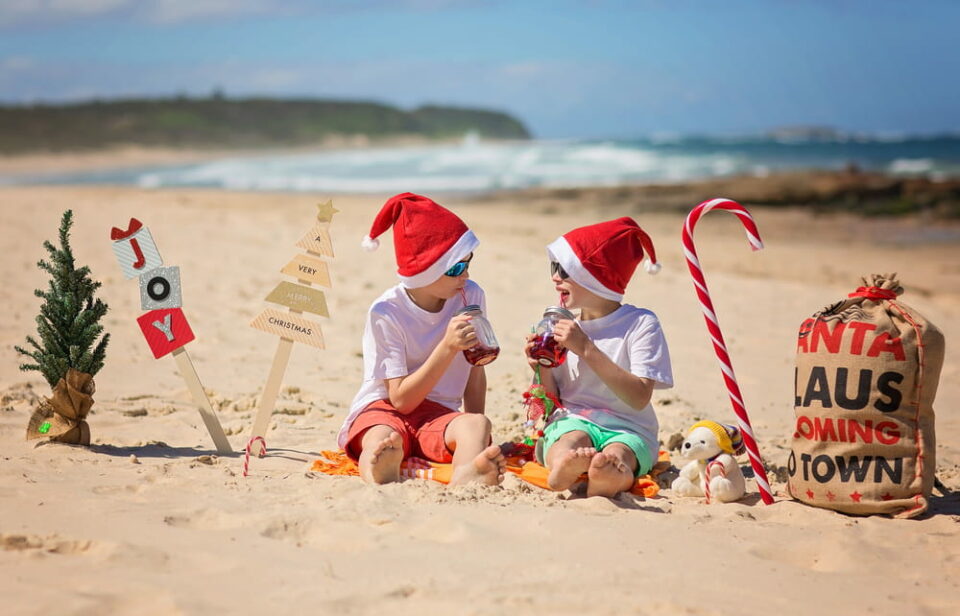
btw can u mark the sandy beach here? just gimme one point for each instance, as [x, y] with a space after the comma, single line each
[148, 520]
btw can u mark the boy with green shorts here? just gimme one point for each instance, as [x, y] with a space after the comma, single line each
[617, 356]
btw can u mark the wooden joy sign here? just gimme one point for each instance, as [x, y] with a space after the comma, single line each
[298, 297]
[164, 326]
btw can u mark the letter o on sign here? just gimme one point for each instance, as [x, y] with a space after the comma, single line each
[160, 288]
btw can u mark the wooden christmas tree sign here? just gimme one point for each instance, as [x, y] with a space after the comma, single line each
[164, 326]
[289, 326]
[308, 269]
[317, 240]
[298, 298]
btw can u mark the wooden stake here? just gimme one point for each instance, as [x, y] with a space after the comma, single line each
[268, 398]
[189, 375]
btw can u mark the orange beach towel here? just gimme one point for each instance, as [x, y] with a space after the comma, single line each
[337, 463]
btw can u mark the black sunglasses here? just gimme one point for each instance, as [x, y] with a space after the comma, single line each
[556, 268]
[459, 267]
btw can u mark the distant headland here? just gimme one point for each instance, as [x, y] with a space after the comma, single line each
[221, 122]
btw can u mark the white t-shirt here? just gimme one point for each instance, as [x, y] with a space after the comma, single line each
[632, 338]
[398, 338]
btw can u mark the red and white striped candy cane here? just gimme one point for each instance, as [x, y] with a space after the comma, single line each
[706, 476]
[736, 399]
[246, 456]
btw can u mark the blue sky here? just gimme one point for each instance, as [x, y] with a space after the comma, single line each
[566, 68]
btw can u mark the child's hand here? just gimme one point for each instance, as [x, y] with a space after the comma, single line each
[570, 336]
[528, 350]
[460, 334]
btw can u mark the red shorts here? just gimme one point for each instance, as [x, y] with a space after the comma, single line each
[422, 429]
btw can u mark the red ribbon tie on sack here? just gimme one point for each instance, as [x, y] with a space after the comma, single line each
[873, 293]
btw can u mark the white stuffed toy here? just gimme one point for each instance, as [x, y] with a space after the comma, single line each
[712, 471]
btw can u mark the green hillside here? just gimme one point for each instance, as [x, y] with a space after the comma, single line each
[220, 122]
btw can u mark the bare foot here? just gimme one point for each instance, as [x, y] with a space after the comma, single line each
[487, 468]
[608, 476]
[381, 463]
[569, 467]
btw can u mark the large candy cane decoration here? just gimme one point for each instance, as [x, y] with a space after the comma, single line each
[753, 235]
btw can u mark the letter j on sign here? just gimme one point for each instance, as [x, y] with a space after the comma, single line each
[135, 249]
[165, 330]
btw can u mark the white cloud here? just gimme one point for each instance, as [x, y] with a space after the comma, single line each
[177, 11]
[524, 69]
[45, 12]
[167, 12]
[13, 12]
[15, 64]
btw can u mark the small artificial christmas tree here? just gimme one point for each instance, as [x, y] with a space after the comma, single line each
[68, 354]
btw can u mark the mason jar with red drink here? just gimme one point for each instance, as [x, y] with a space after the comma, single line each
[546, 350]
[487, 347]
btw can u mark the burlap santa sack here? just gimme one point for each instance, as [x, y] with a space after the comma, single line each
[62, 417]
[867, 371]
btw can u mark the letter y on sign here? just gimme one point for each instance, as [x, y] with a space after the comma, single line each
[165, 326]
[165, 330]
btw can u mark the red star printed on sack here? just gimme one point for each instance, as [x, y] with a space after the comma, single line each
[831, 496]
[810, 494]
[887, 496]
[856, 496]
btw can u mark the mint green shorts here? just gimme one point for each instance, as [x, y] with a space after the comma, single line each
[600, 437]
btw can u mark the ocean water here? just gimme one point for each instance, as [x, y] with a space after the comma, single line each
[478, 166]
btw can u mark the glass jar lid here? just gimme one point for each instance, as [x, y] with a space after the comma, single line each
[469, 308]
[559, 312]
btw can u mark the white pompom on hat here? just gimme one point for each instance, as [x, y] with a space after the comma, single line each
[603, 257]
[428, 239]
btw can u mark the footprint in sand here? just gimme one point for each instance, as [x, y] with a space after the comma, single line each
[205, 519]
[292, 530]
[52, 544]
[836, 555]
[320, 534]
[113, 490]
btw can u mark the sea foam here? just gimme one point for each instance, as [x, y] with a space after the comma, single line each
[476, 166]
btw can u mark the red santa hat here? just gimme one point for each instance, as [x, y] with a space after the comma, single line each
[603, 257]
[428, 239]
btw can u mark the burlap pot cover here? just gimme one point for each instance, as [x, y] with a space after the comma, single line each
[62, 417]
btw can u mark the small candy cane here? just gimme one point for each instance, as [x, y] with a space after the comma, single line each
[706, 476]
[246, 457]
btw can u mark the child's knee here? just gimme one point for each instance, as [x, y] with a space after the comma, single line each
[468, 428]
[473, 423]
[575, 438]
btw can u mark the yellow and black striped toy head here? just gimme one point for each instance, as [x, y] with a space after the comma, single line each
[728, 437]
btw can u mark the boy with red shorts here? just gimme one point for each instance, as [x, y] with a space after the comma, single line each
[415, 375]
